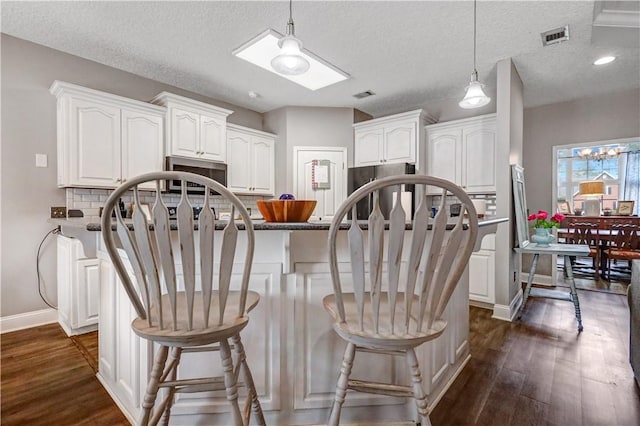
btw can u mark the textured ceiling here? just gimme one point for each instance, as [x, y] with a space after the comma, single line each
[410, 53]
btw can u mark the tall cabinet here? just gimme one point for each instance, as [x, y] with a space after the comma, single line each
[104, 139]
[464, 152]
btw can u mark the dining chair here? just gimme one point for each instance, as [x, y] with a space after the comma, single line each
[179, 285]
[393, 313]
[625, 244]
[585, 231]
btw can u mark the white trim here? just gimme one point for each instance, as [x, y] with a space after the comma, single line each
[116, 399]
[418, 114]
[508, 313]
[28, 320]
[445, 388]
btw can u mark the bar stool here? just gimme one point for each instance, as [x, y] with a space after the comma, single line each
[205, 315]
[383, 315]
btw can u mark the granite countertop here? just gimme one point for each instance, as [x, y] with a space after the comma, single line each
[92, 223]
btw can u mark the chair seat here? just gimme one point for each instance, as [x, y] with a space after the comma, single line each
[384, 339]
[199, 335]
[623, 254]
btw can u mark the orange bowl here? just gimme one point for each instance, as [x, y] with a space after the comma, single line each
[286, 210]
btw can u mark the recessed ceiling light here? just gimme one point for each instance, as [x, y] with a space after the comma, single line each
[604, 60]
[264, 47]
[253, 95]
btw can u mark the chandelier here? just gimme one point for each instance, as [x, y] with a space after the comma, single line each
[599, 154]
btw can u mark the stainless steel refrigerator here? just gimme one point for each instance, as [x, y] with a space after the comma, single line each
[359, 176]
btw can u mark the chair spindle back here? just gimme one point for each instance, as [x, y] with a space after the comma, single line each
[150, 249]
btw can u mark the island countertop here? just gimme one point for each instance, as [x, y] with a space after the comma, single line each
[92, 223]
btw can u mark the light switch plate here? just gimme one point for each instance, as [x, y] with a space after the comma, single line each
[41, 160]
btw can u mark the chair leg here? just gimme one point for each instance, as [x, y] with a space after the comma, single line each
[248, 378]
[230, 382]
[153, 384]
[174, 359]
[341, 387]
[418, 392]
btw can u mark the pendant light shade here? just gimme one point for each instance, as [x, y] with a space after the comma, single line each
[475, 96]
[290, 61]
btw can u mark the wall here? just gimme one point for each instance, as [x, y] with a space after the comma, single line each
[612, 116]
[29, 127]
[307, 126]
[509, 123]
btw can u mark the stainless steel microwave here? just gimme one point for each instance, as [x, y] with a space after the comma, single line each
[210, 169]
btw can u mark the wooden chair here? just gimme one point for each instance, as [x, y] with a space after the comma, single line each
[625, 244]
[585, 231]
[383, 315]
[204, 312]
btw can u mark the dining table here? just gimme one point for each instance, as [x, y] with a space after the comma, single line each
[603, 234]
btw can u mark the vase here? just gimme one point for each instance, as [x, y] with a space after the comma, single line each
[542, 237]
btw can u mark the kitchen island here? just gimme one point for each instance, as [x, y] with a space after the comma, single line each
[291, 347]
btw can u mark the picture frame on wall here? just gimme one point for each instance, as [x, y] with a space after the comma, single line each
[625, 208]
[564, 207]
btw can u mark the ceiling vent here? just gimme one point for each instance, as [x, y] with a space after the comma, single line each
[364, 94]
[557, 35]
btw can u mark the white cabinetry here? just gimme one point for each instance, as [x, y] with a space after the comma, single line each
[105, 139]
[251, 162]
[194, 129]
[482, 272]
[387, 140]
[464, 152]
[78, 287]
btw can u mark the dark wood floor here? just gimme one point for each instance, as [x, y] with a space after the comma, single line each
[46, 380]
[535, 372]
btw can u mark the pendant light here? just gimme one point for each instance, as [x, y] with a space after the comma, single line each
[290, 61]
[475, 96]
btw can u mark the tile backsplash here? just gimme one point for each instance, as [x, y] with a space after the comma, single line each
[90, 200]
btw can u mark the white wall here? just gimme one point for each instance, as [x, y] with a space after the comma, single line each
[307, 126]
[29, 127]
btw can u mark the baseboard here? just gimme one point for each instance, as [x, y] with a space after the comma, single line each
[508, 313]
[27, 320]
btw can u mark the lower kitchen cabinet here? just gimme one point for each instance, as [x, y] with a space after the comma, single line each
[78, 287]
[482, 272]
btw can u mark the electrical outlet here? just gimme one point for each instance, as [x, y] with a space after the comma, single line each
[58, 212]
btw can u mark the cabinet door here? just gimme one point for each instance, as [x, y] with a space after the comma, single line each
[444, 155]
[367, 148]
[479, 158]
[213, 145]
[142, 144]
[400, 143]
[88, 292]
[185, 133]
[482, 276]
[94, 144]
[262, 165]
[239, 162]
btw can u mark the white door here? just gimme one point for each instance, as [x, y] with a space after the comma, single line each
[185, 133]
[239, 162]
[329, 199]
[400, 143]
[142, 144]
[95, 144]
[213, 143]
[263, 165]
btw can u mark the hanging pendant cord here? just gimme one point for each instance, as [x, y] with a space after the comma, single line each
[474, 36]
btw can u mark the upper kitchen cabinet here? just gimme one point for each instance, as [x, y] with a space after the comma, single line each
[393, 139]
[251, 161]
[104, 139]
[464, 152]
[194, 129]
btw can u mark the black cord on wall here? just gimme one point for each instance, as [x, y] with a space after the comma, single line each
[40, 292]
